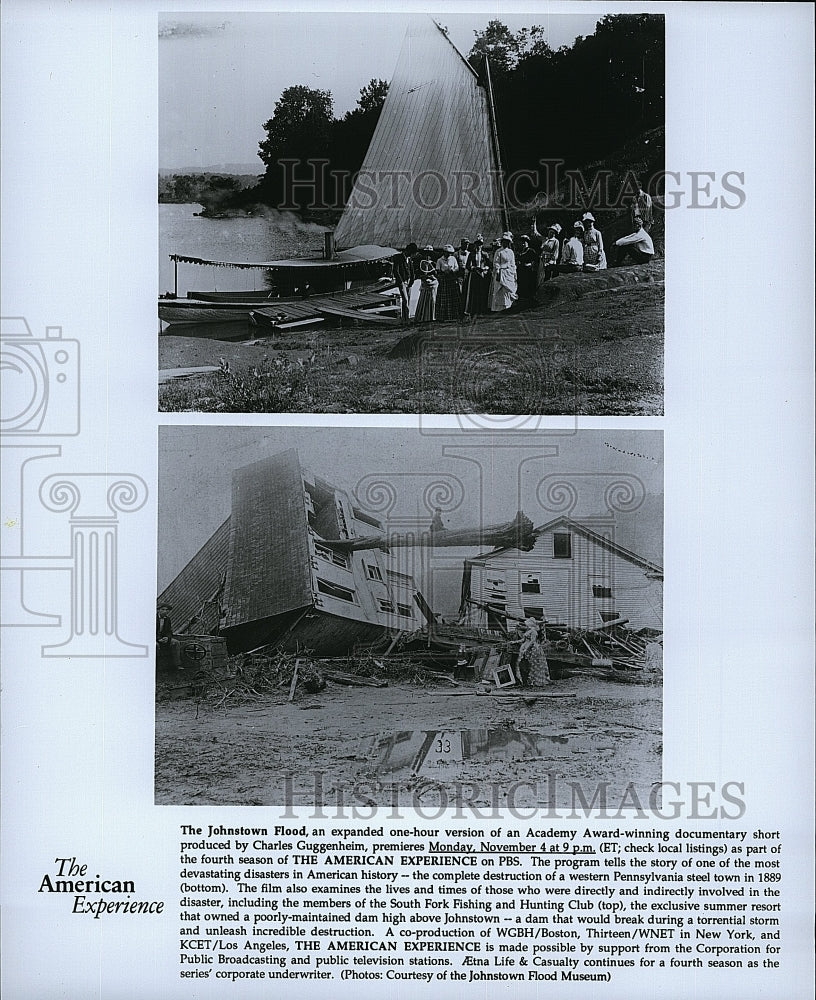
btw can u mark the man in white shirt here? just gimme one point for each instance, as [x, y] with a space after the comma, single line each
[638, 246]
[572, 255]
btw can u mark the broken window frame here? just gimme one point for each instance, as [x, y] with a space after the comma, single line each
[327, 588]
[329, 555]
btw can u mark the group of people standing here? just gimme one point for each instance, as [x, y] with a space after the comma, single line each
[474, 279]
[459, 282]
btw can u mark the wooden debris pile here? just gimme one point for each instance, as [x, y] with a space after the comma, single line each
[263, 673]
[613, 649]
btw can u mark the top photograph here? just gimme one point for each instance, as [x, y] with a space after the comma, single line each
[411, 213]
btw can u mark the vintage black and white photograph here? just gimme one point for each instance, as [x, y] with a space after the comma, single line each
[392, 614]
[347, 199]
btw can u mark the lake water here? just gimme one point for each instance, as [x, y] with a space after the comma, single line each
[269, 237]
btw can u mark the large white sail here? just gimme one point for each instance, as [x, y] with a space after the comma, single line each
[431, 174]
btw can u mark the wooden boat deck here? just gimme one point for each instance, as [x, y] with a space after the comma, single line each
[357, 305]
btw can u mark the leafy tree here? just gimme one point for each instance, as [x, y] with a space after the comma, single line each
[499, 43]
[302, 119]
[299, 130]
[372, 96]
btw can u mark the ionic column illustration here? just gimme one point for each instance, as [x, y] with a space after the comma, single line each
[94, 501]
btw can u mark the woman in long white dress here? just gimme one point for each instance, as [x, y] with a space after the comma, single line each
[426, 306]
[504, 286]
[594, 255]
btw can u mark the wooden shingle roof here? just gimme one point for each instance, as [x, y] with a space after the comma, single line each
[195, 590]
[268, 571]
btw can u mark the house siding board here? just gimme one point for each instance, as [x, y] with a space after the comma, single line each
[269, 558]
[191, 591]
[435, 119]
[566, 584]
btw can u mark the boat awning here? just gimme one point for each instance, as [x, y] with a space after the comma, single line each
[344, 258]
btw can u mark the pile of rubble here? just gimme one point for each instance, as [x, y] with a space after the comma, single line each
[613, 649]
[444, 657]
[256, 676]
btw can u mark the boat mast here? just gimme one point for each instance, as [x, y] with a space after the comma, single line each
[495, 137]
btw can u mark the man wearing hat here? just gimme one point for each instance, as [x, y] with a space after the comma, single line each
[641, 207]
[550, 252]
[477, 282]
[167, 645]
[404, 275]
[504, 287]
[462, 254]
[526, 265]
[572, 256]
[594, 256]
[638, 246]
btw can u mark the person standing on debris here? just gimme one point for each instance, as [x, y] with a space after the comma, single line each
[504, 289]
[448, 297]
[549, 253]
[535, 671]
[638, 246]
[429, 284]
[477, 284]
[404, 276]
[572, 255]
[526, 265]
[594, 256]
[167, 644]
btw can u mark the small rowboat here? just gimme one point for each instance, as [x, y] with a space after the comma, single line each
[248, 296]
[175, 311]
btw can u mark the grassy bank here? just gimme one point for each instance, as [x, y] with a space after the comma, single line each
[596, 347]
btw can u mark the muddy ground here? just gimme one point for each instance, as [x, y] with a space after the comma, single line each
[413, 745]
[595, 347]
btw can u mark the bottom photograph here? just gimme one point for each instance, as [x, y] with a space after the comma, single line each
[359, 618]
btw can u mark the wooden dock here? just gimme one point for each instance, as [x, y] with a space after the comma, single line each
[356, 306]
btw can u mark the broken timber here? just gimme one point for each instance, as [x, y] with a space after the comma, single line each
[518, 533]
[354, 680]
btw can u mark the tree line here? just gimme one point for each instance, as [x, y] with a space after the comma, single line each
[577, 104]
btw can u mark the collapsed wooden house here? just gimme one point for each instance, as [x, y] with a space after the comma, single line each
[574, 575]
[298, 565]
[268, 575]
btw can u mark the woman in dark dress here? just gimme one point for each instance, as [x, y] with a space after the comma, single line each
[477, 285]
[526, 269]
[448, 296]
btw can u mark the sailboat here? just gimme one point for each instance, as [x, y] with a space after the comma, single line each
[432, 175]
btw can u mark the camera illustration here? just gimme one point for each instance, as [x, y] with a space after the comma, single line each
[40, 381]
